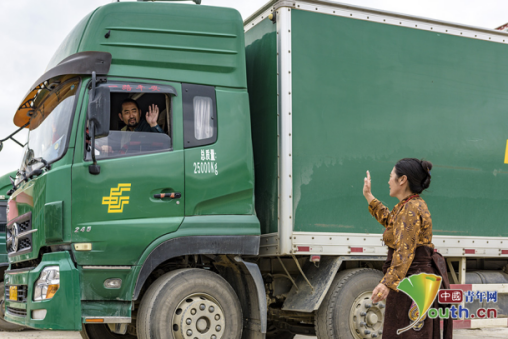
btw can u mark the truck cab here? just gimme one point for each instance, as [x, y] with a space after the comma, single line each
[99, 204]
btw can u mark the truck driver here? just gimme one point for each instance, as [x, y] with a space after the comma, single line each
[131, 115]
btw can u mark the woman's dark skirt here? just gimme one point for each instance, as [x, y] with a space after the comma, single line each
[398, 304]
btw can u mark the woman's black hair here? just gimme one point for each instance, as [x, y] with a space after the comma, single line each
[416, 171]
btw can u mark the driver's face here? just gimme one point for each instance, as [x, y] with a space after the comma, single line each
[130, 114]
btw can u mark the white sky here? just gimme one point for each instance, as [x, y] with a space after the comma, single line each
[31, 30]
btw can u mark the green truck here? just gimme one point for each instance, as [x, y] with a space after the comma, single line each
[243, 217]
[5, 186]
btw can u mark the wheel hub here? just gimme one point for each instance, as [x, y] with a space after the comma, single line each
[366, 318]
[198, 316]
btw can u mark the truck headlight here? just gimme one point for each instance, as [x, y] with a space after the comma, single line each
[47, 284]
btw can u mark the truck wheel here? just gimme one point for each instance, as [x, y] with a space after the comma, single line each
[4, 325]
[190, 303]
[101, 331]
[347, 312]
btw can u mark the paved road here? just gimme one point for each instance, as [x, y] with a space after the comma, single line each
[495, 333]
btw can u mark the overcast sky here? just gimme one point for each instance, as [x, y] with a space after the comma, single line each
[31, 30]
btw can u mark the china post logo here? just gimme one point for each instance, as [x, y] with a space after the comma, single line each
[115, 200]
[423, 289]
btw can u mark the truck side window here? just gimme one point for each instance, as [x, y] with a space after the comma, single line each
[200, 115]
[140, 122]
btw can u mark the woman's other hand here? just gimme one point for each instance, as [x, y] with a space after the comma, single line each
[367, 188]
[380, 293]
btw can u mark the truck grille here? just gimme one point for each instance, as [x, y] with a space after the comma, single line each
[22, 293]
[18, 312]
[19, 235]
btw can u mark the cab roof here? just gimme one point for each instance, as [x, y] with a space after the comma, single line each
[160, 41]
[167, 41]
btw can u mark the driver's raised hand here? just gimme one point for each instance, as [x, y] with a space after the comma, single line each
[152, 115]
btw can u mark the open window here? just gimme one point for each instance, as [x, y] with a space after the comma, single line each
[132, 131]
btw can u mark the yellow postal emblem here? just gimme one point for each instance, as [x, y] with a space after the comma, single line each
[115, 200]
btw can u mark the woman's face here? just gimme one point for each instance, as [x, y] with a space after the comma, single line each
[394, 184]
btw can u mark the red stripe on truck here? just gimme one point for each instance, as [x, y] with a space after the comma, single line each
[464, 287]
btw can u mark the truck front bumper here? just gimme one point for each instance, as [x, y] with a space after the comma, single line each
[62, 312]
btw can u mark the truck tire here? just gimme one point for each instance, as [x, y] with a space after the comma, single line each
[5, 325]
[101, 331]
[190, 303]
[347, 311]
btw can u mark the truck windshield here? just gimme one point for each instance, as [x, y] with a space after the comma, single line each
[49, 125]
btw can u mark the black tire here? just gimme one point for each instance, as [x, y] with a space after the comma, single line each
[101, 331]
[190, 300]
[6, 326]
[337, 319]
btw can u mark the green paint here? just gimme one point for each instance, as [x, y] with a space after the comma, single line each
[53, 220]
[64, 309]
[229, 190]
[105, 309]
[366, 95]
[181, 42]
[261, 59]
[92, 284]
[5, 186]
[120, 238]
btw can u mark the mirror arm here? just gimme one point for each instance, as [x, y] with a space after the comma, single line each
[12, 136]
[94, 168]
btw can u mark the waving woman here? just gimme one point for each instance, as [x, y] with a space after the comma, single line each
[408, 235]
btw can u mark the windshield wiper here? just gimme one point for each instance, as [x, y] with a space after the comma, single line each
[31, 175]
[38, 171]
[13, 182]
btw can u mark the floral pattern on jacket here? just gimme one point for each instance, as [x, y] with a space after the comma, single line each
[408, 226]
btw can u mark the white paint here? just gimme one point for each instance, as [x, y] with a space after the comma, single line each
[285, 130]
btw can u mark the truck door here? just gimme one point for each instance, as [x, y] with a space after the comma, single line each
[138, 194]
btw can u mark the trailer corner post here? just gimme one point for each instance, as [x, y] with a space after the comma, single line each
[286, 219]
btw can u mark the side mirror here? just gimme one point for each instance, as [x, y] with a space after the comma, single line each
[99, 110]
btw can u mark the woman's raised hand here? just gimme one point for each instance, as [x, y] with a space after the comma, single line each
[367, 188]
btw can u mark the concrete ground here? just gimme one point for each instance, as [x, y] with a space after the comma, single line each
[495, 333]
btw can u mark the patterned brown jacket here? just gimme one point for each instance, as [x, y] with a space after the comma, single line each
[408, 226]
